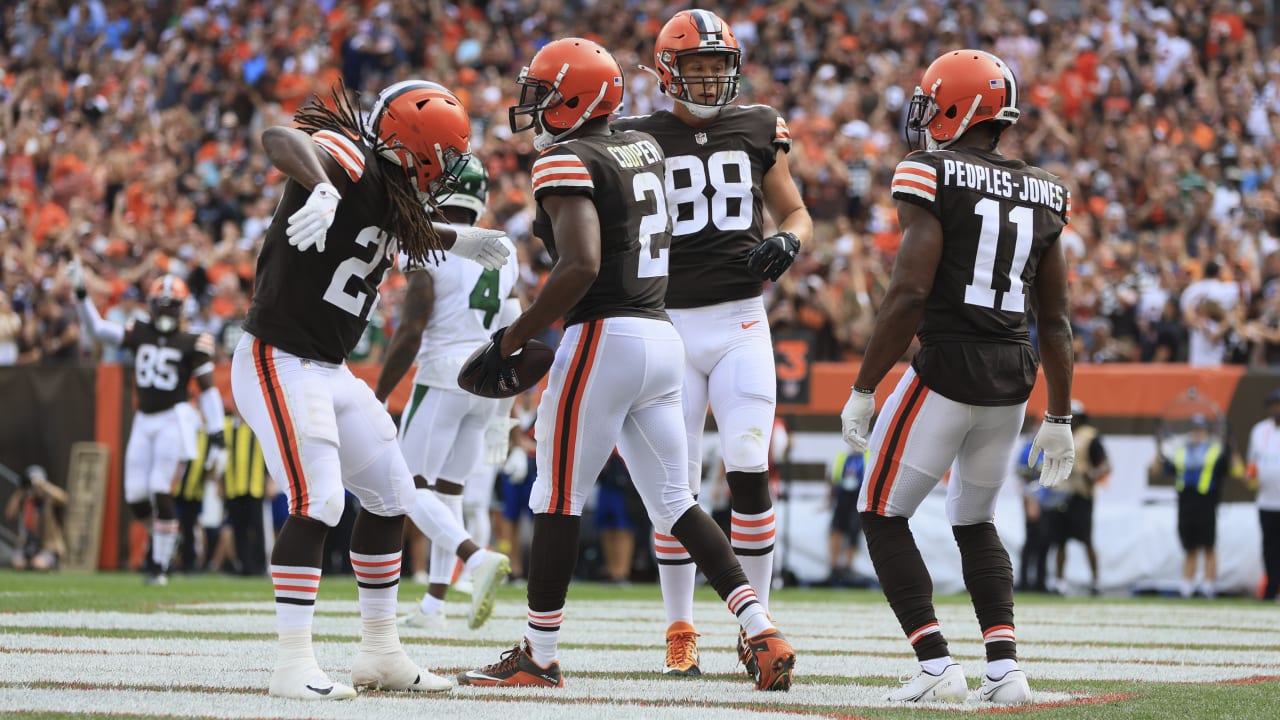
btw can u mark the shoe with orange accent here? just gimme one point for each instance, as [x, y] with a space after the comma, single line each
[682, 650]
[515, 668]
[748, 660]
[774, 660]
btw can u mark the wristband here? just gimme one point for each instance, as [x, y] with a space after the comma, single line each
[864, 391]
[1057, 419]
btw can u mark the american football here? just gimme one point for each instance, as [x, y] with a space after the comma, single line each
[487, 374]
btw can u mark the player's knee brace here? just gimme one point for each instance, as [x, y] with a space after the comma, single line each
[141, 510]
[749, 491]
[747, 450]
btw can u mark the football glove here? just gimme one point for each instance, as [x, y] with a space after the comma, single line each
[855, 419]
[215, 457]
[497, 439]
[772, 257]
[483, 246]
[310, 224]
[517, 466]
[1059, 448]
[75, 275]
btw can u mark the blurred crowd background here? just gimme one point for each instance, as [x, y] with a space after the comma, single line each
[130, 137]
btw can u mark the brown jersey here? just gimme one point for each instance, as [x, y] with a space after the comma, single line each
[714, 180]
[316, 304]
[163, 364]
[622, 174]
[999, 217]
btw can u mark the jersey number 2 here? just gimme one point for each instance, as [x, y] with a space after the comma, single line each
[981, 292]
[655, 233]
[336, 294]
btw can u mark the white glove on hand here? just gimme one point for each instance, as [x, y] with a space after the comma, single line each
[517, 466]
[497, 439]
[310, 224]
[75, 276]
[855, 419]
[483, 246]
[1059, 448]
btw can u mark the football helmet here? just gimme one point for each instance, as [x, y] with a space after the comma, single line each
[166, 297]
[959, 90]
[568, 82]
[470, 191]
[422, 127]
[697, 32]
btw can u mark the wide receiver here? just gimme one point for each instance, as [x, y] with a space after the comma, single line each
[165, 358]
[449, 310]
[354, 196]
[979, 255]
[725, 165]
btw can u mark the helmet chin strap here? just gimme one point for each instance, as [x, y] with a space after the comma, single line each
[545, 139]
[964, 125]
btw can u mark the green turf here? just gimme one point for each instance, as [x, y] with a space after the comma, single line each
[72, 591]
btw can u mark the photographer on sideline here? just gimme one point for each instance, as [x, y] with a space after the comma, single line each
[38, 504]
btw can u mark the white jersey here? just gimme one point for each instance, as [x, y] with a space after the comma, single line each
[467, 302]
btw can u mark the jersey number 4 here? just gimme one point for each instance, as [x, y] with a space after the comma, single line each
[484, 297]
[981, 291]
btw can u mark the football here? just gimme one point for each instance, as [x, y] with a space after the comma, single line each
[487, 375]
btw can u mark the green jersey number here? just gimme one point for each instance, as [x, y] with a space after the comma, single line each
[484, 296]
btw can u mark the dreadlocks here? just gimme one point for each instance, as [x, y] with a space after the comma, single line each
[407, 220]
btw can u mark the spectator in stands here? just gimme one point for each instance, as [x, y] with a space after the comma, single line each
[846, 473]
[10, 329]
[38, 506]
[1198, 464]
[1264, 476]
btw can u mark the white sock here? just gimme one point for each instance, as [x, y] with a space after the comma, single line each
[936, 666]
[295, 590]
[543, 635]
[430, 604]
[443, 557]
[295, 647]
[753, 537]
[744, 604]
[164, 538]
[997, 669]
[377, 583]
[677, 583]
[378, 636]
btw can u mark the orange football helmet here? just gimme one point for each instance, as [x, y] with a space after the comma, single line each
[422, 127]
[568, 82]
[166, 296]
[959, 90]
[697, 32]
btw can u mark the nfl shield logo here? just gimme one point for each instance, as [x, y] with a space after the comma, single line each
[700, 138]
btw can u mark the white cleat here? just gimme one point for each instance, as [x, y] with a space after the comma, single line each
[395, 671]
[1012, 689]
[463, 586]
[306, 681]
[486, 579]
[424, 621]
[950, 686]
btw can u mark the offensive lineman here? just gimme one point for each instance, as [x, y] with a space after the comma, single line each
[724, 166]
[616, 375]
[355, 195]
[979, 252]
[165, 358]
[449, 310]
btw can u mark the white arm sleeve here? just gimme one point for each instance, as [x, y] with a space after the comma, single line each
[211, 408]
[510, 311]
[104, 330]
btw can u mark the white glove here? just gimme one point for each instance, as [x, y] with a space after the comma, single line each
[483, 246]
[497, 439]
[310, 224]
[1059, 448]
[75, 274]
[517, 466]
[855, 419]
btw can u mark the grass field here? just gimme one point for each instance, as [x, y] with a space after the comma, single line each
[96, 645]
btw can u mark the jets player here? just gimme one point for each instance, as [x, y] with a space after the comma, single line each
[449, 310]
[353, 198]
[980, 251]
[616, 377]
[162, 437]
[725, 165]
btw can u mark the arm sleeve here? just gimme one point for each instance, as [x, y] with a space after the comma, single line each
[212, 410]
[104, 330]
[510, 311]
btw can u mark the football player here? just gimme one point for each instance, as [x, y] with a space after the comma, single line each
[162, 437]
[616, 377]
[979, 252]
[448, 311]
[354, 197]
[725, 165]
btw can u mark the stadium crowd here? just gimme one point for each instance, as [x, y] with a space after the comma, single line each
[130, 137]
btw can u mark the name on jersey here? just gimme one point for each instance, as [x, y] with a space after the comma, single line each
[636, 154]
[996, 181]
